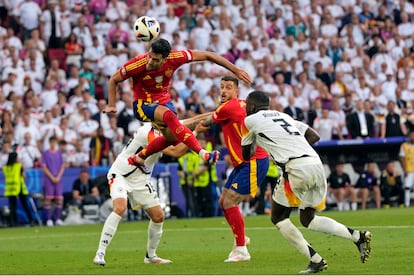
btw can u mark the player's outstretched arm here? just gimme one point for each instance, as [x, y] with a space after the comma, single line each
[191, 123]
[113, 82]
[311, 136]
[199, 55]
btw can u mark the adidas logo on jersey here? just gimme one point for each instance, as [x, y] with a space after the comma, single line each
[235, 185]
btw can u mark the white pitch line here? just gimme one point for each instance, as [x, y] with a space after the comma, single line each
[39, 234]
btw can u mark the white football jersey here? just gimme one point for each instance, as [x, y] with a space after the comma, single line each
[141, 138]
[277, 133]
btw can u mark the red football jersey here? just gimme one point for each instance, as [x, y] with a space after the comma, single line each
[154, 85]
[230, 116]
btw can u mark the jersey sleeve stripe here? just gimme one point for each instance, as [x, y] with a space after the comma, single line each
[189, 55]
[135, 65]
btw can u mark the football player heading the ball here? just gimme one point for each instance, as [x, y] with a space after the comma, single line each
[146, 28]
[151, 75]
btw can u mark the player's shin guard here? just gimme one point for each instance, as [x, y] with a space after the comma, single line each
[182, 133]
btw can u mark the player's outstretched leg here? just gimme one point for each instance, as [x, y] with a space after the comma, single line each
[362, 239]
[292, 234]
[364, 245]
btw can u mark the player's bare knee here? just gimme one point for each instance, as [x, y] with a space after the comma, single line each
[119, 210]
[157, 217]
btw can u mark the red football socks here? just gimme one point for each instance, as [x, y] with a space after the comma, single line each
[236, 222]
[182, 133]
[156, 145]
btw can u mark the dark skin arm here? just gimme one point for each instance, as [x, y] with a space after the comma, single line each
[248, 151]
[311, 136]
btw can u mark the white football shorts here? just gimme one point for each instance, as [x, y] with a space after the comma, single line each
[138, 190]
[306, 186]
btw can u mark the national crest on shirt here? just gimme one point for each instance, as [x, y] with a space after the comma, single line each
[169, 72]
[159, 79]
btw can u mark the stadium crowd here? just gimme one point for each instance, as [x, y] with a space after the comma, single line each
[343, 67]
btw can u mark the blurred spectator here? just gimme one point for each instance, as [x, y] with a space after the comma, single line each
[51, 26]
[7, 123]
[360, 123]
[26, 125]
[339, 116]
[194, 104]
[47, 130]
[78, 157]
[68, 134]
[6, 149]
[28, 154]
[205, 177]
[340, 185]
[28, 16]
[292, 110]
[115, 134]
[368, 184]
[100, 117]
[325, 125]
[101, 149]
[393, 124]
[74, 51]
[82, 32]
[212, 100]
[88, 74]
[392, 185]
[178, 102]
[126, 115]
[84, 192]
[87, 129]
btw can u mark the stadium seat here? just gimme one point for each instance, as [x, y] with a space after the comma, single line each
[353, 175]
[58, 54]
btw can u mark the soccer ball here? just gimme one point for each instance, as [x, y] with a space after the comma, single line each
[146, 28]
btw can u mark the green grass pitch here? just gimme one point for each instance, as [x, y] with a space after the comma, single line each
[199, 246]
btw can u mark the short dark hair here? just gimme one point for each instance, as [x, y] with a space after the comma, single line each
[12, 158]
[258, 98]
[230, 78]
[161, 46]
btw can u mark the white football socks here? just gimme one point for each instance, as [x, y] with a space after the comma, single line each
[295, 238]
[108, 231]
[332, 227]
[154, 237]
